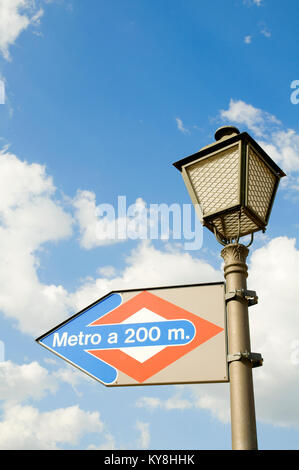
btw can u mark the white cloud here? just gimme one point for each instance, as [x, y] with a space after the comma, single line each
[148, 266]
[26, 428]
[29, 217]
[283, 147]
[108, 444]
[103, 225]
[266, 32]
[211, 397]
[253, 2]
[144, 439]
[275, 328]
[281, 144]
[15, 17]
[181, 127]
[151, 403]
[107, 271]
[20, 181]
[21, 382]
[71, 376]
[257, 120]
[175, 402]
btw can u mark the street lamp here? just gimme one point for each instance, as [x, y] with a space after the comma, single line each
[232, 184]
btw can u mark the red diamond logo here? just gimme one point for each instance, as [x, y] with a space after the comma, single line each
[141, 363]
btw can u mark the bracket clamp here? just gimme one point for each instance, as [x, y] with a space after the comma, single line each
[255, 358]
[248, 296]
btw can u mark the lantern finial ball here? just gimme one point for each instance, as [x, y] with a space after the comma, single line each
[225, 132]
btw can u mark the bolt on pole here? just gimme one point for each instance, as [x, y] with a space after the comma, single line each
[243, 422]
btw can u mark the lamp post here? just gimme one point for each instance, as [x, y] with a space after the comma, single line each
[232, 184]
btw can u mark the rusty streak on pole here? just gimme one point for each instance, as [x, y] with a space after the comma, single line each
[243, 422]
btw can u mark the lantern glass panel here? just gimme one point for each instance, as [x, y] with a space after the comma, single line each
[234, 224]
[216, 180]
[261, 185]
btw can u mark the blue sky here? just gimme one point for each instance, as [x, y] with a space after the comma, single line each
[100, 99]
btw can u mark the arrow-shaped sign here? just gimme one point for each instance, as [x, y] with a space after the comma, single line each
[119, 342]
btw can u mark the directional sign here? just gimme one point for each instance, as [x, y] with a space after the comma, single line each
[148, 336]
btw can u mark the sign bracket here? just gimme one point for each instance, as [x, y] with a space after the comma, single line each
[248, 296]
[255, 358]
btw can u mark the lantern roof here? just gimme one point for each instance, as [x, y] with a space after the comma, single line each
[228, 135]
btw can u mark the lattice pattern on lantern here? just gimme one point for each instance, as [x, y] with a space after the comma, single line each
[215, 181]
[228, 225]
[261, 182]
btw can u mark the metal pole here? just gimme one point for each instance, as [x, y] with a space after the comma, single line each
[243, 423]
